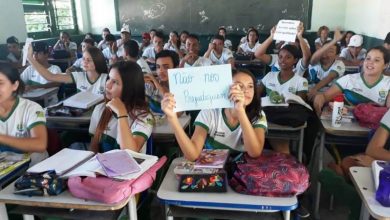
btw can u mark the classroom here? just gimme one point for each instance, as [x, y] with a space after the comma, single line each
[122, 109]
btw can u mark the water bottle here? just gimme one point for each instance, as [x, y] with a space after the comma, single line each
[337, 116]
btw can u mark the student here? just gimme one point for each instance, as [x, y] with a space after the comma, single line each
[368, 86]
[150, 54]
[386, 44]
[192, 58]
[250, 46]
[354, 54]
[131, 54]
[156, 88]
[23, 122]
[92, 79]
[324, 67]
[272, 59]
[282, 81]
[125, 36]
[244, 39]
[15, 55]
[152, 33]
[30, 76]
[227, 43]
[244, 126]
[345, 40]
[145, 42]
[217, 53]
[110, 52]
[323, 36]
[173, 43]
[183, 38]
[78, 64]
[102, 44]
[123, 121]
[64, 43]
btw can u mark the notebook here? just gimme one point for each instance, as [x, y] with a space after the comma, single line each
[212, 158]
[83, 100]
[118, 163]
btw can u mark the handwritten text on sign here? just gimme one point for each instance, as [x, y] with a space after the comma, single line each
[286, 30]
[201, 87]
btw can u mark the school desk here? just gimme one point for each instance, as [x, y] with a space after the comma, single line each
[41, 94]
[163, 128]
[68, 123]
[220, 205]
[17, 171]
[363, 180]
[350, 133]
[64, 205]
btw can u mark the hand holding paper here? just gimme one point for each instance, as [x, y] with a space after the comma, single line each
[26, 49]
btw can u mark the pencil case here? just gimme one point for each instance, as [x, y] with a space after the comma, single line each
[212, 182]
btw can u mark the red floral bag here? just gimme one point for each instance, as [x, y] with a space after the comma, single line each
[369, 115]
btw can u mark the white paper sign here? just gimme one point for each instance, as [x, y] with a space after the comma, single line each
[286, 30]
[201, 87]
[25, 50]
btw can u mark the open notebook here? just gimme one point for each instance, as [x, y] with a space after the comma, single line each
[83, 100]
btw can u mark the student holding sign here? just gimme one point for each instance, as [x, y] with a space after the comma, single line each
[22, 122]
[123, 121]
[241, 128]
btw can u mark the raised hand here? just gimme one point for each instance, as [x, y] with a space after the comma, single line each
[167, 104]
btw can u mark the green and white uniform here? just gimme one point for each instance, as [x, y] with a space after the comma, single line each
[154, 98]
[272, 82]
[84, 84]
[223, 59]
[318, 73]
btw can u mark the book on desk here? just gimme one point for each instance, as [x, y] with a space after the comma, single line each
[288, 98]
[83, 100]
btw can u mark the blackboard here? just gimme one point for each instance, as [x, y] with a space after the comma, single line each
[205, 16]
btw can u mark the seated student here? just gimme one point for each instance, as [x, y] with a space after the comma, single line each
[64, 43]
[152, 33]
[173, 43]
[102, 44]
[323, 36]
[33, 79]
[227, 43]
[146, 42]
[158, 42]
[156, 88]
[354, 54]
[192, 58]
[246, 117]
[272, 59]
[386, 44]
[125, 36]
[324, 67]
[22, 124]
[123, 121]
[131, 54]
[110, 52]
[244, 39]
[345, 40]
[368, 86]
[282, 81]
[89, 36]
[78, 64]
[251, 44]
[183, 38]
[217, 53]
[92, 79]
[15, 55]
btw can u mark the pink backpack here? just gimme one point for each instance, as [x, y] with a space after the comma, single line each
[369, 115]
[272, 174]
[107, 190]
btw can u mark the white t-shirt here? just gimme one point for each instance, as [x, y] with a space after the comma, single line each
[299, 68]
[84, 84]
[168, 46]
[72, 46]
[272, 82]
[223, 59]
[227, 44]
[356, 90]
[317, 73]
[220, 134]
[25, 115]
[318, 41]
[246, 48]
[347, 55]
[201, 61]
[107, 53]
[121, 49]
[149, 53]
[385, 121]
[78, 63]
[144, 65]
[143, 127]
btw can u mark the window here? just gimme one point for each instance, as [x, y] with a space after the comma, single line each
[46, 18]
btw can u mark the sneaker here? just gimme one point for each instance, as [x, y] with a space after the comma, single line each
[302, 212]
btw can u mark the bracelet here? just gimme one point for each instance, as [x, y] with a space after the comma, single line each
[122, 116]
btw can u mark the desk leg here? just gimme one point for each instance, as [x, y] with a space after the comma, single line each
[320, 162]
[286, 215]
[364, 215]
[132, 207]
[28, 217]
[3, 212]
[167, 217]
[300, 147]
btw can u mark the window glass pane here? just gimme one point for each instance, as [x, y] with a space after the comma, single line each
[64, 14]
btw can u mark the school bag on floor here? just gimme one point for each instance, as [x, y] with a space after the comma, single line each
[272, 174]
[108, 190]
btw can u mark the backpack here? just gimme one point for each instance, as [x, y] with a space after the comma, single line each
[272, 174]
[294, 115]
[369, 115]
[108, 190]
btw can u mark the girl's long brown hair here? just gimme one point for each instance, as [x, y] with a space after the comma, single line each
[133, 96]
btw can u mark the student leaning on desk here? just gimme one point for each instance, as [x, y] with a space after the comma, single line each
[22, 122]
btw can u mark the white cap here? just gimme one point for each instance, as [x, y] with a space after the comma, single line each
[125, 29]
[355, 41]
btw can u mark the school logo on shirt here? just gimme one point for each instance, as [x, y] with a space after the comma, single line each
[40, 114]
[291, 89]
[382, 93]
[219, 134]
[305, 84]
[101, 90]
[83, 87]
[271, 84]
[339, 68]
[20, 131]
[357, 90]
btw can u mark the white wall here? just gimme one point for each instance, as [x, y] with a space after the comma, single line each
[12, 20]
[102, 13]
[328, 12]
[368, 17]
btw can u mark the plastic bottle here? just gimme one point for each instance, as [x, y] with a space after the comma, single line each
[338, 105]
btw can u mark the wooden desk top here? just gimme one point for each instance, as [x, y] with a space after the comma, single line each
[164, 128]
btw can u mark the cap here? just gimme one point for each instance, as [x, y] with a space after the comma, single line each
[125, 29]
[146, 35]
[40, 46]
[355, 41]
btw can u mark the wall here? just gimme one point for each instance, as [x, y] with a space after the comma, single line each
[102, 13]
[328, 12]
[12, 20]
